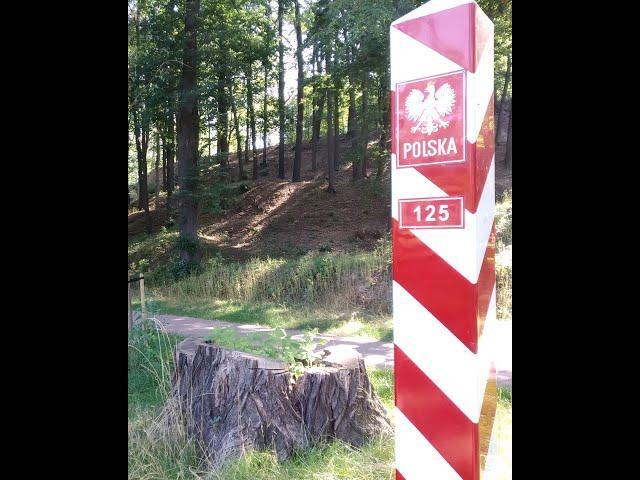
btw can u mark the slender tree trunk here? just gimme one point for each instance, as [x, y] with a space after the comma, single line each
[365, 127]
[317, 117]
[336, 126]
[236, 125]
[157, 172]
[265, 124]
[246, 142]
[188, 133]
[280, 90]
[142, 145]
[505, 89]
[297, 161]
[171, 180]
[252, 120]
[223, 120]
[164, 161]
[384, 106]
[507, 156]
[331, 174]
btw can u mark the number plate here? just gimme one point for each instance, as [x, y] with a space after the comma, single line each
[441, 212]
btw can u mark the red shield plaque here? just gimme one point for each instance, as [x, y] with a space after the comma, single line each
[431, 120]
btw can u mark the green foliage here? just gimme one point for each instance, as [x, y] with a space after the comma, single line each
[277, 344]
[150, 363]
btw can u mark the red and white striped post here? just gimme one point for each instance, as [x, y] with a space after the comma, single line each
[443, 239]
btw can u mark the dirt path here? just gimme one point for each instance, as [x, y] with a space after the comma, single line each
[375, 353]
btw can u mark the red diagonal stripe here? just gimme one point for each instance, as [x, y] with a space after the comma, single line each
[399, 476]
[442, 32]
[442, 423]
[485, 147]
[458, 178]
[457, 303]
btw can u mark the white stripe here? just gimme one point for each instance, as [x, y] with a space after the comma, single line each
[479, 91]
[412, 59]
[431, 7]
[455, 246]
[436, 351]
[416, 458]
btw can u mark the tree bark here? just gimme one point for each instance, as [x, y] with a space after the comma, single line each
[364, 129]
[297, 159]
[505, 89]
[236, 125]
[171, 180]
[507, 156]
[156, 200]
[141, 132]
[231, 402]
[222, 126]
[188, 135]
[265, 123]
[280, 90]
[252, 119]
[316, 122]
[330, 131]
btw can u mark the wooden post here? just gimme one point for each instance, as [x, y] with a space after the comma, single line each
[142, 304]
[130, 307]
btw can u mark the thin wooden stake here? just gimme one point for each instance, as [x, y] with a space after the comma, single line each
[144, 310]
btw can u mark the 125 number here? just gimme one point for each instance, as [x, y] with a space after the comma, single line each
[430, 211]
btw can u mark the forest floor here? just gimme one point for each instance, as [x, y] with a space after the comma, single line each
[280, 218]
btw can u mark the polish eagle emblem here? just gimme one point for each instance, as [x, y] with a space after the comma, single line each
[429, 112]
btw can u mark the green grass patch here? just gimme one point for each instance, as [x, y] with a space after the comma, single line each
[333, 321]
[154, 454]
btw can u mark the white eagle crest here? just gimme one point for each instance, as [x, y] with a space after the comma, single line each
[429, 112]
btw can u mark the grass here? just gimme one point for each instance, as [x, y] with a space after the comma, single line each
[288, 316]
[504, 240]
[312, 278]
[158, 454]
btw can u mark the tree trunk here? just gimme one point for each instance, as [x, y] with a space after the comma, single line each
[336, 127]
[156, 200]
[384, 102]
[247, 133]
[297, 159]
[236, 125]
[280, 90]
[141, 131]
[231, 402]
[331, 174]
[222, 126]
[252, 119]
[505, 89]
[365, 127]
[171, 180]
[188, 133]
[507, 156]
[316, 121]
[164, 162]
[265, 124]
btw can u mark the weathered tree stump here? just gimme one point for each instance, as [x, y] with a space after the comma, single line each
[231, 402]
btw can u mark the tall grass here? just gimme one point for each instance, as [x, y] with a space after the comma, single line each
[314, 278]
[504, 241]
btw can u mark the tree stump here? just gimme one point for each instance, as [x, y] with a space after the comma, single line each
[232, 401]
